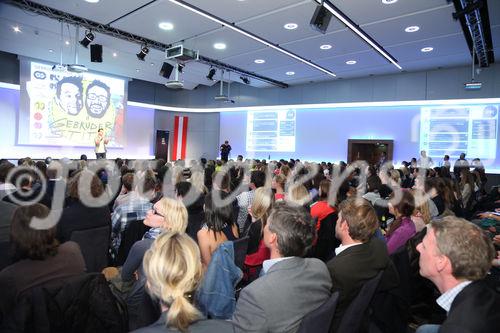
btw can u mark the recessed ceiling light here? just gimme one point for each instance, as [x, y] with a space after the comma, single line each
[325, 47]
[290, 73]
[259, 61]
[66, 42]
[115, 54]
[427, 49]
[137, 70]
[50, 50]
[290, 26]
[166, 25]
[413, 28]
[16, 29]
[389, 2]
[219, 46]
[350, 62]
[152, 64]
[92, 1]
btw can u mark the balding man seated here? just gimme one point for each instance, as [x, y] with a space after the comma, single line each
[291, 286]
[456, 255]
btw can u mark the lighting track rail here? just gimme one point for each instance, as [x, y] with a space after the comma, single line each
[106, 29]
[239, 30]
[351, 25]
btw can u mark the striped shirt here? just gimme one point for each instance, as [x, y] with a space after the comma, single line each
[446, 300]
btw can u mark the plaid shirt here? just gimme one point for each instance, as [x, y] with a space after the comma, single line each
[135, 208]
[446, 300]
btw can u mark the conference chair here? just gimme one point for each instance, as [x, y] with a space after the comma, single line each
[327, 242]
[94, 244]
[320, 320]
[134, 231]
[240, 251]
[355, 316]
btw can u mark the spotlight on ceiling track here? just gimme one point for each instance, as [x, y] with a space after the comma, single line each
[143, 53]
[245, 80]
[211, 74]
[89, 37]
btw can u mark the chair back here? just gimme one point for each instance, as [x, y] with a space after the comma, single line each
[240, 251]
[94, 244]
[320, 320]
[327, 242]
[134, 231]
[353, 317]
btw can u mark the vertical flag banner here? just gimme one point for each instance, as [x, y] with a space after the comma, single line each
[180, 138]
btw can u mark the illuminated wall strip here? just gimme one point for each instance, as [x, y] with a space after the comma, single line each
[358, 32]
[250, 35]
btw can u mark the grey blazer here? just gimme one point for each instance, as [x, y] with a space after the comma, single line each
[201, 326]
[277, 301]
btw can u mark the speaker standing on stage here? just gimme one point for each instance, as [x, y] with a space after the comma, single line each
[225, 148]
[100, 144]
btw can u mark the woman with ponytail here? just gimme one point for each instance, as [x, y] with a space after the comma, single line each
[173, 272]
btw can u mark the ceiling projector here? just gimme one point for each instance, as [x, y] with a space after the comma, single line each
[174, 84]
[76, 68]
[473, 85]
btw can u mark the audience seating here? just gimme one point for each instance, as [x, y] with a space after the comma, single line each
[320, 320]
[355, 315]
[327, 242]
[134, 231]
[94, 244]
[240, 251]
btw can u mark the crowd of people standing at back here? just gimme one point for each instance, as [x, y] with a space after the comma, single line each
[309, 229]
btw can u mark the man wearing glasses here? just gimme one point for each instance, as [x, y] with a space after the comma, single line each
[97, 99]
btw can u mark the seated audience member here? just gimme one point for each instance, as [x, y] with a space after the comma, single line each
[456, 256]
[193, 200]
[6, 187]
[219, 227]
[257, 179]
[278, 184]
[126, 191]
[402, 228]
[467, 187]
[321, 209]
[298, 195]
[360, 257]
[167, 215]
[291, 286]
[38, 257]
[7, 210]
[421, 215]
[26, 193]
[173, 271]
[77, 215]
[133, 209]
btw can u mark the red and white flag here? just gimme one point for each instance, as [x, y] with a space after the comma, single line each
[180, 138]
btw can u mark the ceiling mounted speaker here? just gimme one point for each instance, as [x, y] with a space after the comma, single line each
[166, 70]
[321, 19]
[96, 53]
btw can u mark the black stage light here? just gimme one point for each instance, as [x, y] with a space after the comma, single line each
[144, 52]
[211, 74]
[89, 37]
[245, 80]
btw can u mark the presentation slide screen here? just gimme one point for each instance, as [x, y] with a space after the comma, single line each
[61, 108]
[321, 133]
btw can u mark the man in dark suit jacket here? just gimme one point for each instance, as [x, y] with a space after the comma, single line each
[360, 257]
[456, 256]
[291, 286]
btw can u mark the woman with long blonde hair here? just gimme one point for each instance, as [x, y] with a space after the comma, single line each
[173, 273]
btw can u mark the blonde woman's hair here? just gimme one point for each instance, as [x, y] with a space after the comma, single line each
[198, 181]
[422, 205]
[173, 271]
[262, 203]
[298, 195]
[175, 215]
[395, 176]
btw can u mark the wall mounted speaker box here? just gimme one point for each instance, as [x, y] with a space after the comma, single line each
[321, 19]
[166, 70]
[96, 53]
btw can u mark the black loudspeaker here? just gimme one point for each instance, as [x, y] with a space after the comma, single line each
[161, 145]
[321, 19]
[166, 70]
[96, 53]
